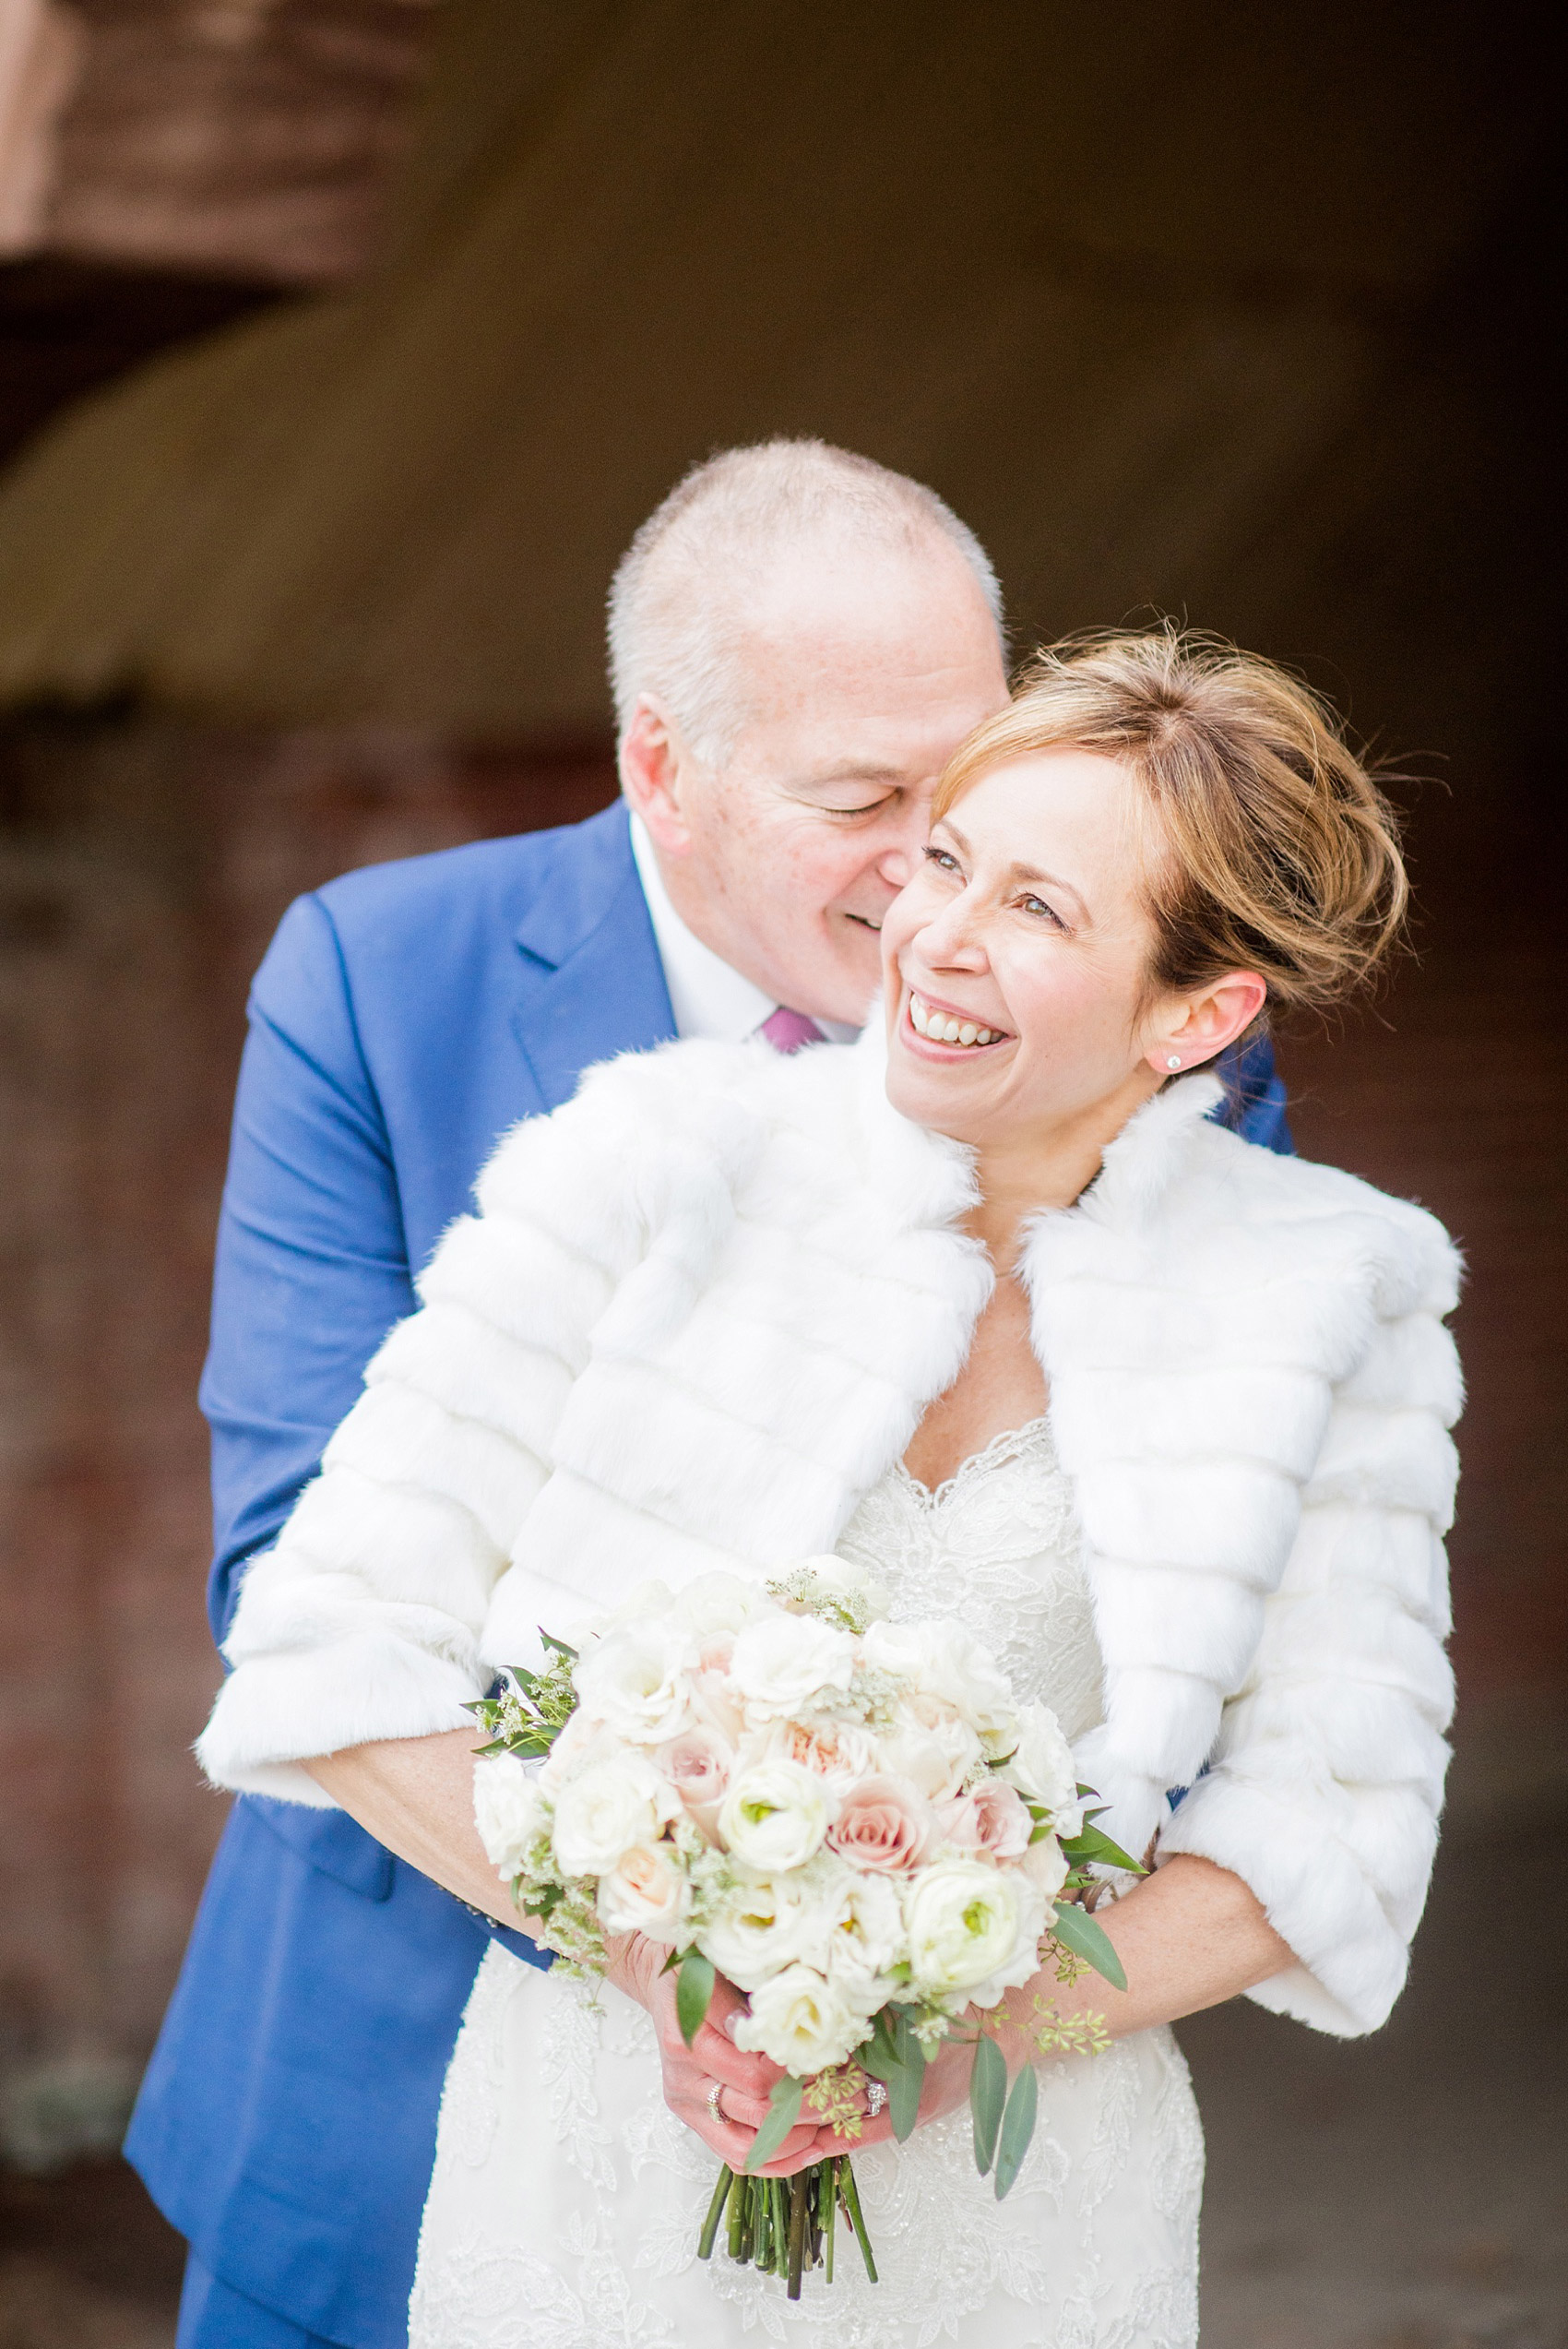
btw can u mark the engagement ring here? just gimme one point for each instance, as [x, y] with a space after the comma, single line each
[876, 2097]
[715, 2090]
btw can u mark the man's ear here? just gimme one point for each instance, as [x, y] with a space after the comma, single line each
[651, 759]
[1200, 1026]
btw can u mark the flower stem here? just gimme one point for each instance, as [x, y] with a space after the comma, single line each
[830, 2189]
[852, 2210]
[798, 2194]
[715, 2212]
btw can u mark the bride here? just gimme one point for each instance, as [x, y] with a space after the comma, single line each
[987, 1302]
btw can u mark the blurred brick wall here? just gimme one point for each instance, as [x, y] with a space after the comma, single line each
[141, 871]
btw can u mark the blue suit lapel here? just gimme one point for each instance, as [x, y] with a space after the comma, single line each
[595, 984]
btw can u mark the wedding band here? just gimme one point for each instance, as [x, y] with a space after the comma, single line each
[876, 2097]
[715, 2090]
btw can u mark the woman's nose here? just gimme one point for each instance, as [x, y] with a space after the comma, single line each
[950, 943]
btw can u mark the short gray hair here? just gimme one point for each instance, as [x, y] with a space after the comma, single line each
[676, 602]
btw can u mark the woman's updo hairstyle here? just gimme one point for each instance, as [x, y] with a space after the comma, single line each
[1271, 848]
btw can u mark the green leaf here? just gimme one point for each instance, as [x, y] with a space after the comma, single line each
[783, 2112]
[694, 1988]
[1091, 1846]
[987, 2093]
[1077, 1931]
[904, 2088]
[1017, 2129]
[559, 1645]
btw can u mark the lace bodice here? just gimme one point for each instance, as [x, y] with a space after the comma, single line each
[567, 2198]
[998, 1542]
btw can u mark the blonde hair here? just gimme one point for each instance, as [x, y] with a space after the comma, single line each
[1271, 847]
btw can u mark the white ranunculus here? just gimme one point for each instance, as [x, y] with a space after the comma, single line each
[646, 1891]
[720, 1602]
[760, 1927]
[1034, 1910]
[965, 1922]
[606, 1808]
[636, 1680]
[509, 1810]
[867, 1937]
[774, 1815]
[1042, 1769]
[781, 1662]
[931, 1747]
[801, 2021]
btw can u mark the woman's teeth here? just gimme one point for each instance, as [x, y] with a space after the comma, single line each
[942, 1029]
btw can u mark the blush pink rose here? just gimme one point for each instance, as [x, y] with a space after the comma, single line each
[698, 1763]
[883, 1823]
[991, 1819]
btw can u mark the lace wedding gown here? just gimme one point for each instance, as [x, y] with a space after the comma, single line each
[566, 2197]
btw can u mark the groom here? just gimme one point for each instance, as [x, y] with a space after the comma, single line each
[799, 638]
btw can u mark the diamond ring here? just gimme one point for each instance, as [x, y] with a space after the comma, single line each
[715, 2090]
[876, 2097]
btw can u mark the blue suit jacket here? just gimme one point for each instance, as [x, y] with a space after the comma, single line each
[404, 1017]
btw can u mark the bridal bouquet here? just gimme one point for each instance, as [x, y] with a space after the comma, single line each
[849, 1818]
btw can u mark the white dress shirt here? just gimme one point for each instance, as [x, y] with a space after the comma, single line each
[707, 997]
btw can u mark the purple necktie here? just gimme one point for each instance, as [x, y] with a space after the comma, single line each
[787, 1031]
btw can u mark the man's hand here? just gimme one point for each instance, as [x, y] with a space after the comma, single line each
[745, 2081]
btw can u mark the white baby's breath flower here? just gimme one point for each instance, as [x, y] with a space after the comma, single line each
[605, 1809]
[509, 1811]
[759, 1928]
[635, 1681]
[645, 1892]
[1042, 1769]
[781, 1662]
[774, 1815]
[801, 2021]
[967, 1926]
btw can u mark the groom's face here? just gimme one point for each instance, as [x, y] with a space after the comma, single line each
[861, 678]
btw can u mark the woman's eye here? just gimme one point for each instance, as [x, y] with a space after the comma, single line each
[1037, 906]
[941, 858]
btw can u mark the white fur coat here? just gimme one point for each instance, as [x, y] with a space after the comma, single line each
[702, 1308]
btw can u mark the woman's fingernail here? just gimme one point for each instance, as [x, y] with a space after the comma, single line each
[728, 2026]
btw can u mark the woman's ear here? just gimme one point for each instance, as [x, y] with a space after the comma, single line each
[650, 762]
[1200, 1026]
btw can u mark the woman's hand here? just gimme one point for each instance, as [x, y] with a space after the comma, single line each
[745, 2081]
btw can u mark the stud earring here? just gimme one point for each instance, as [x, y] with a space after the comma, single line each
[1174, 1061]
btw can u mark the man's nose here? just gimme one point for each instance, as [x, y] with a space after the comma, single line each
[898, 860]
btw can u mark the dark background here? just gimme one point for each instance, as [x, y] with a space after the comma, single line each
[384, 324]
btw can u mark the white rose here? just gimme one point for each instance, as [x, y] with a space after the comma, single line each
[645, 1892]
[720, 1602]
[509, 1810]
[931, 1747]
[846, 1584]
[606, 1808]
[580, 1742]
[761, 1928]
[1045, 1864]
[867, 1938]
[800, 2021]
[774, 1815]
[781, 1662]
[968, 1927]
[1042, 1769]
[636, 1680]
[968, 1676]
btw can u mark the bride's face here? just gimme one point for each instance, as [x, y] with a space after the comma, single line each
[1026, 925]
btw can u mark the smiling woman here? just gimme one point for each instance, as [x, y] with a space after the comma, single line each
[1200, 846]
